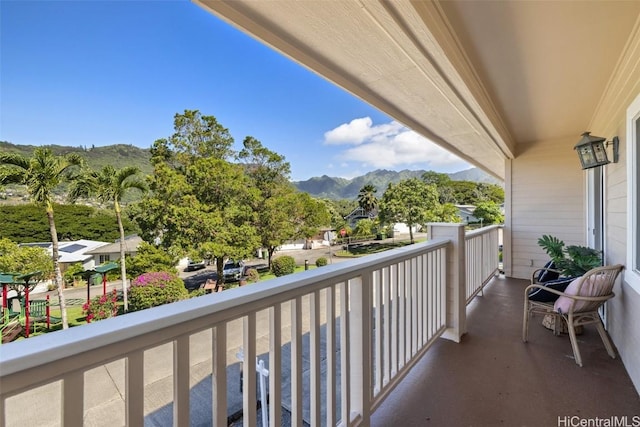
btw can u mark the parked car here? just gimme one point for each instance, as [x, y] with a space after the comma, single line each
[232, 270]
[194, 265]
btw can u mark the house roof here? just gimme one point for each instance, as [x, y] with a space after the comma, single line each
[131, 244]
[73, 251]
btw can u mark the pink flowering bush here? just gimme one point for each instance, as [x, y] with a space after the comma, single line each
[154, 289]
[101, 307]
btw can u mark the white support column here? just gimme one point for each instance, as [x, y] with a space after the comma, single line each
[455, 277]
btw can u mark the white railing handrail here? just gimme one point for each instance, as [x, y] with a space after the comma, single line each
[51, 356]
[484, 230]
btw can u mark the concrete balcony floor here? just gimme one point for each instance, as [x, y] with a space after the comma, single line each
[492, 378]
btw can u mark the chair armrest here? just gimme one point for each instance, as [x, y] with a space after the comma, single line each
[563, 294]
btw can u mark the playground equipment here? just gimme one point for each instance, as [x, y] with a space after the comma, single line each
[101, 270]
[28, 314]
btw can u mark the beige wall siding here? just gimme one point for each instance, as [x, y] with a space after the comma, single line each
[547, 197]
[623, 311]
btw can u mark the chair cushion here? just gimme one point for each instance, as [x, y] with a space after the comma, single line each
[541, 295]
[546, 275]
[591, 288]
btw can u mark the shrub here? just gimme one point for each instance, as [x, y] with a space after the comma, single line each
[253, 275]
[197, 293]
[322, 261]
[154, 289]
[283, 265]
[101, 307]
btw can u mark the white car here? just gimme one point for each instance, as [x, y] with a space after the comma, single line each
[194, 265]
[232, 270]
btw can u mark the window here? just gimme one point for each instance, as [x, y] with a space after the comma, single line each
[104, 258]
[633, 194]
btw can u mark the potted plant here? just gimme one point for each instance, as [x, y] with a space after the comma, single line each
[572, 260]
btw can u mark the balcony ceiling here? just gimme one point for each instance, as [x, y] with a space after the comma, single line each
[478, 78]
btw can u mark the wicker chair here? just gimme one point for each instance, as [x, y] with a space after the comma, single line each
[577, 306]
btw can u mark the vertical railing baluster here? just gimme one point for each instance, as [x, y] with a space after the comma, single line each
[249, 384]
[345, 352]
[181, 381]
[275, 365]
[378, 339]
[386, 320]
[331, 356]
[296, 361]
[395, 317]
[402, 301]
[73, 399]
[360, 304]
[134, 389]
[314, 356]
[219, 375]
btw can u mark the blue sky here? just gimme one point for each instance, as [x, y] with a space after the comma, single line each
[82, 73]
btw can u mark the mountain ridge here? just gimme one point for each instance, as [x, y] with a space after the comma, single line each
[342, 188]
[323, 186]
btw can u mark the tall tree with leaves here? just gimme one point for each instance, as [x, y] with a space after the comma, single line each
[109, 186]
[367, 198]
[199, 201]
[42, 173]
[410, 201]
[274, 207]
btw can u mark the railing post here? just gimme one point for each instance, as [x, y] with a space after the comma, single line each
[455, 277]
[360, 301]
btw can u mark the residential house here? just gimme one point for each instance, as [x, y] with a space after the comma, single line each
[508, 86]
[465, 212]
[71, 252]
[111, 251]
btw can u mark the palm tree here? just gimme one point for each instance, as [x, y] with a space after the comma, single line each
[42, 173]
[367, 198]
[109, 186]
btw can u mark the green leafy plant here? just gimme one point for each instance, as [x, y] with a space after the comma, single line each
[101, 307]
[154, 289]
[322, 261]
[572, 260]
[283, 265]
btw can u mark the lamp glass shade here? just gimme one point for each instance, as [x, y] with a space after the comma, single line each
[591, 151]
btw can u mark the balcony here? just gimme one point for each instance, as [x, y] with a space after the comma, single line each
[357, 343]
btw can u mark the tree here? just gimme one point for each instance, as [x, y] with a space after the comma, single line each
[42, 173]
[489, 213]
[109, 186]
[25, 223]
[367, 198]
[24, 260]
[410, 201]
[436, 178]
[447, 212]
[199, 200]
[274, 205]
[150, 258]
[364, 227]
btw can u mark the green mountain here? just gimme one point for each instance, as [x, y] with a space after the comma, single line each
[119, 155]
[341, 188]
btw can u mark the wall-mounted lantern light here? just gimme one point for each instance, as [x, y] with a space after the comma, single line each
[592, 150]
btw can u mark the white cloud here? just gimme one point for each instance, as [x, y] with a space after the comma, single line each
[359, 131]
[390, 146]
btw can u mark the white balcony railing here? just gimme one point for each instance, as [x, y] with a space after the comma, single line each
[341, 337]
[481, 254]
